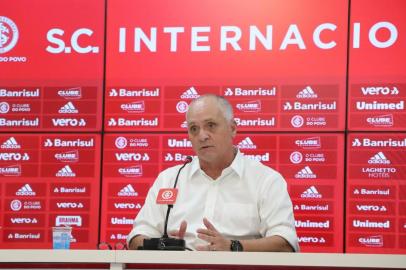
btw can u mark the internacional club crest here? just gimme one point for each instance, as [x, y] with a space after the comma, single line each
[8, 34]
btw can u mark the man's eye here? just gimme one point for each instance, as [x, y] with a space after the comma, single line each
[211, 125]
[193, 129]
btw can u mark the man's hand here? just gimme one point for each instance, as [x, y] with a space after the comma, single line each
[181, 232]
[216, 242]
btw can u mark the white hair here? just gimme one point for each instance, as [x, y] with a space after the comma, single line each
[223, 103]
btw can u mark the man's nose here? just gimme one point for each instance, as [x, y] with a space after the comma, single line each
[203, 135]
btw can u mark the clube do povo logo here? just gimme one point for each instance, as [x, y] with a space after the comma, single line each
[9, 35]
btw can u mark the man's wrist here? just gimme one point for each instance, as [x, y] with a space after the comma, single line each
[236, 246]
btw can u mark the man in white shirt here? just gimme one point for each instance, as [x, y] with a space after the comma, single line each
[226, 201]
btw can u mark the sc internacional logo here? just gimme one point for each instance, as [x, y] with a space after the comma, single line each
[9, 35]
[57, 37]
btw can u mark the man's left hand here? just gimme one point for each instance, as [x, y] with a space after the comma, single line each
[216, 242]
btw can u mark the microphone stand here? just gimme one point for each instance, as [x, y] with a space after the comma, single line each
[165, 242]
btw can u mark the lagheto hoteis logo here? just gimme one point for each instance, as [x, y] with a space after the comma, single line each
[8, 34]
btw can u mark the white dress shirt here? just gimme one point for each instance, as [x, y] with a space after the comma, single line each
[248, 201]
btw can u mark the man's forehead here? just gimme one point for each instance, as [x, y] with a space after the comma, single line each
[191, 121]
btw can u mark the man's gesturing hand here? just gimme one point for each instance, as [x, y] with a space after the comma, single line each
[216, 242]
[181, 233]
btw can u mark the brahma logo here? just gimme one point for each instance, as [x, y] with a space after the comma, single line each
[127, 191]
[309, 143]
[132, 171]
[379, 158]
[190, 93]
[65, 172]
[70, 156]
[4, 107]
[371, 241]
[68, 221]
[8, 34]
[306, 93]
[13, 170]
[11, 143]
[25, 190]
[68, 108]
[250, 106]
[381, 121]
[71, 93]
[134, 107]
[246, 143]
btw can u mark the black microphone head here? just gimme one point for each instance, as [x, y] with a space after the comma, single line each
[188, 159]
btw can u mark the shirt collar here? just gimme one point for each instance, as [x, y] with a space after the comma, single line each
[237, 165]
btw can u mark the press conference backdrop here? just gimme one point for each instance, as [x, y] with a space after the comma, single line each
[94, 94]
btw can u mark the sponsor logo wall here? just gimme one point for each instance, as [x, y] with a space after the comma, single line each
[322, 106]
[49, 180]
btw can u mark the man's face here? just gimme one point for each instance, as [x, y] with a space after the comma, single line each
[210, 133]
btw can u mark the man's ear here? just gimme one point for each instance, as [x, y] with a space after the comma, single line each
[233, 127]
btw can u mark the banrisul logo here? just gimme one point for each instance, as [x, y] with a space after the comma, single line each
[8, 34]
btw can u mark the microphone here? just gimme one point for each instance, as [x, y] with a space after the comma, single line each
[167, 196]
